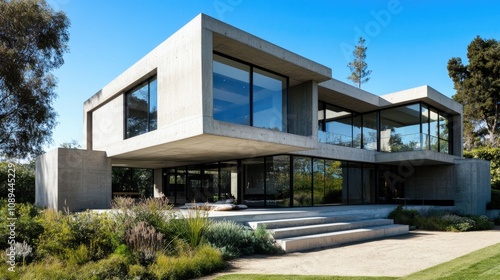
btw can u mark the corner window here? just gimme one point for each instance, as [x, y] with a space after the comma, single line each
[141, 109]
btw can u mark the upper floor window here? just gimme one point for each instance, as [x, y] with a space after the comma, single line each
[245, 94]
[141, 109]
[410, 127]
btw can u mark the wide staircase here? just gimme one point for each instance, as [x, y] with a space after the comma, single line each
[328, 229]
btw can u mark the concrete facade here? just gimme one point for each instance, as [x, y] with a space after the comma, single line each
[188, 134]
[73, 180]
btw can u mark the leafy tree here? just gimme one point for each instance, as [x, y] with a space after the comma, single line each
[478, 89]
[73, 144]
[24, 183]
[492, 155]
[33, 39]
[359, 73]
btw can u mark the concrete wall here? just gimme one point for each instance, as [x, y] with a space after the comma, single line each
[300, 108]
[467, 182]
[177, 63]
[108, 123]
[473, 185]
[77, 179]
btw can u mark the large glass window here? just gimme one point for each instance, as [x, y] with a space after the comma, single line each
[338, 126]
[248, 95]
[132, 182]
[254, 192]
[269, 100]
[444, 143]
[231, 81]
[370, 128]
[278, 181]
[400, 129]
[434, 130]
[302, 181]
[141, 109]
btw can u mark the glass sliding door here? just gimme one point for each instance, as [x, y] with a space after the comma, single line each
[278, 181]
[319, 190]
[355, 183]
[302, 181]
[254, 193]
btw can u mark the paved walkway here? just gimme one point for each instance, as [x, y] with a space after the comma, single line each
[397, 256]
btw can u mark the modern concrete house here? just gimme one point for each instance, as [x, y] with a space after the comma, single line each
[216, 112]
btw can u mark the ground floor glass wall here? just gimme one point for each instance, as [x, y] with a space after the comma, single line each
[281, 181]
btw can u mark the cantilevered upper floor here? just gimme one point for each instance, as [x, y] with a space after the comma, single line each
[212, 92]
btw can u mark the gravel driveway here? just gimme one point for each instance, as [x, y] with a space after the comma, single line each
[397, 256]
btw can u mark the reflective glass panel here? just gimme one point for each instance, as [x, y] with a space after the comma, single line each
[278, 181]
[338, 126]
[356, 131]
[400, 129]
[355, 182]
[302, 180]
[254, 194]
[370, 131]
[433, 130]
[137, 111]
[231, 90]
[153, 104]
[269, 100]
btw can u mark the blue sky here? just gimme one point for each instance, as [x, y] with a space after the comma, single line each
[409, 41]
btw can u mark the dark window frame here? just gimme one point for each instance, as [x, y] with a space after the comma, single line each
[251, 85]
[147, 82]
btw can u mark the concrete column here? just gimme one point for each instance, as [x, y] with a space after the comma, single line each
[300, 106]
[158, 183]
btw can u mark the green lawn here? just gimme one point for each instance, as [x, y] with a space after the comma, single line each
[481, 264]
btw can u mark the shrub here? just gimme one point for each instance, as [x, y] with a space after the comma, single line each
[24, 182]
[404, 216]
[264, 242]
[457, 223]
[113, 267]
[57, 234]
[192, 264]
[145, 241]
[234, 240]
[482, 223]
[136, 271]
[193, 226]
[64, 233]
[28, 227]
[95, 231]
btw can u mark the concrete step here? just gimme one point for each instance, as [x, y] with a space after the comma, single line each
[280, 233]
[307, 242]
[306, 221]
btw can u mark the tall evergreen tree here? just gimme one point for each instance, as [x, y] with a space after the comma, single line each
[477, 88]
[33, 39]
[359, 73]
